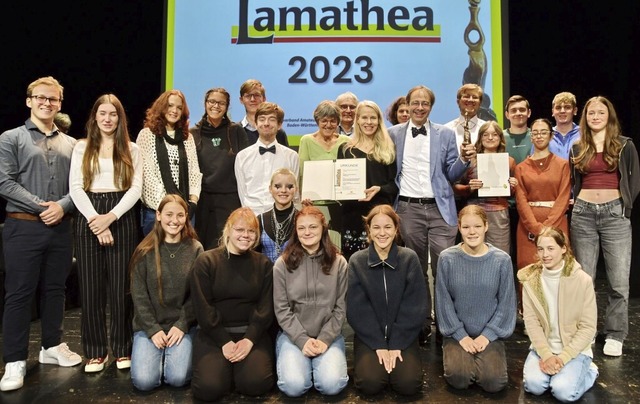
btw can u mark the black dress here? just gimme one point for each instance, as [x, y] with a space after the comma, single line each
[354, 235]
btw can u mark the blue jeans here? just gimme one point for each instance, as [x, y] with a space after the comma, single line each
[573, 380]
[604, 224]
[149, 364]
[297, 372]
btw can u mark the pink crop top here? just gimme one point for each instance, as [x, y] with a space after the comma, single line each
[597, 176]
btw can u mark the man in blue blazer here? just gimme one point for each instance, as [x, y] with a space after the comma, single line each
[428, 163]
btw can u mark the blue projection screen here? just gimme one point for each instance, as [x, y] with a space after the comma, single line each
[308, 51]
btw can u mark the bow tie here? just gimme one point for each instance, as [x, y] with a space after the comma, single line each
[419, 131]
[271, 149]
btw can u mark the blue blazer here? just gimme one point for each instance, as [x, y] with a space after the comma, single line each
[446, 165]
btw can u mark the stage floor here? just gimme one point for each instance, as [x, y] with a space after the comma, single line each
[618, 381]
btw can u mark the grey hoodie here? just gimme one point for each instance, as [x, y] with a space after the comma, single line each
[308, 303]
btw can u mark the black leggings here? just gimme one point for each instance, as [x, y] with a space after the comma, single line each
[214, 376]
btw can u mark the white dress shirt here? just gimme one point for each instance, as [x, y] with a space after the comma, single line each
[254, 170]
[458, 126]
[415, 181]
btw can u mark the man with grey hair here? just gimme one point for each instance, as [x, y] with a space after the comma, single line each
[347, 102]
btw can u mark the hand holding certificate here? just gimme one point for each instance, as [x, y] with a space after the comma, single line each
[493, 171]
[334, 179]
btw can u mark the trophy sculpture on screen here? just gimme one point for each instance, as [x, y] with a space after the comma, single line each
[476, 72]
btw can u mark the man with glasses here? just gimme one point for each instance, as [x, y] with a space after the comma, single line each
[252, 94]
[428, 162]
[35, 160]
[469, 99]
[347, 102]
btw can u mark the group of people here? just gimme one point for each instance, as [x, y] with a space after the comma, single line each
[236, 285]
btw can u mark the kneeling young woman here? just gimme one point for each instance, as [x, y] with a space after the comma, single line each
[475, 306]
[561, 332]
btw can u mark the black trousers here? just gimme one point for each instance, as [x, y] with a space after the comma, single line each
[34, 254]
[104, 271]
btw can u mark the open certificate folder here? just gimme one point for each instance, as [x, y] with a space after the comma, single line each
[334, 179]
[493, 171]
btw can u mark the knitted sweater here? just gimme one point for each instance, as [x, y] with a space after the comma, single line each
[152, 186]
[149, 314]
[475, 295]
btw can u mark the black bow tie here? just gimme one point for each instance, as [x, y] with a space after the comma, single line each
[419, 131]
[271, 149]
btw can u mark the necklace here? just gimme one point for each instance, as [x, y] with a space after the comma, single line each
[107, 148]
[172, 254]
[281, 230]
[543, 162]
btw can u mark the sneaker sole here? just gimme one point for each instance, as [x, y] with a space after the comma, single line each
[11, 388]
[54, 361]
[98, 367]
[93, 370]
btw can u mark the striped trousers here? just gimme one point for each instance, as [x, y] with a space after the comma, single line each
[103, 271]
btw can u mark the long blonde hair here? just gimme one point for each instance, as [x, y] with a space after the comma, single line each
[383, 149]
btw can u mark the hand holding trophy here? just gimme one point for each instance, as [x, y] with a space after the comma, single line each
[467, 149]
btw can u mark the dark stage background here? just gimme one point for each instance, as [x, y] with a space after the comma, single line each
[582, 46]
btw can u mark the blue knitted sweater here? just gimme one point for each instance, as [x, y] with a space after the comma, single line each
[475, 295]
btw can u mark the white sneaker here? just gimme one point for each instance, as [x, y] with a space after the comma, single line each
[13, 378]
[59, 355]
[612, 347]
[123, 362]
[96, 364]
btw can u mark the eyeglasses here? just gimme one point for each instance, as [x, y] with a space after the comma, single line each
[423, 104]
[213, 103]
[540, 133]
[347, 106]
[249, 232]
[43, 100]
[257, 96]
